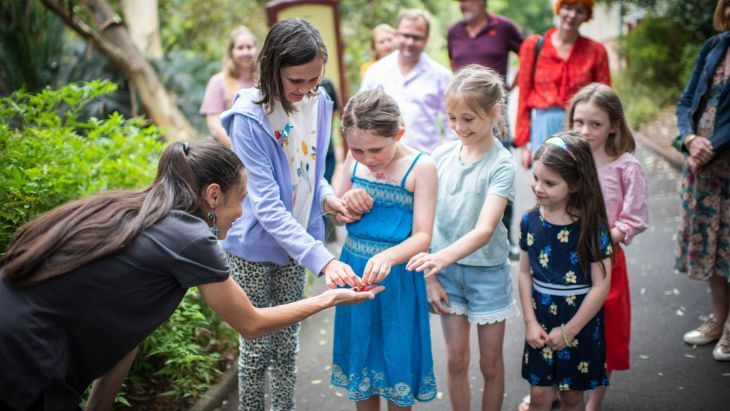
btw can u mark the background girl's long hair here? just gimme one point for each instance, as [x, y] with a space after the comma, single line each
[231, 72]
[586, 202]
[81, 231]
[605, 98]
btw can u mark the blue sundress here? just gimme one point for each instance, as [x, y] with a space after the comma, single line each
[558, 290]
[383, 346]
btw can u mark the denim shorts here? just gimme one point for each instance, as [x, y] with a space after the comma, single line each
[484, 294]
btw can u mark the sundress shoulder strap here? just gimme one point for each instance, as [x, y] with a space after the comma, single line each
[405, 177]
[354, 170]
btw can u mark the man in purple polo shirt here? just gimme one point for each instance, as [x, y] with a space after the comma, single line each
[482, 38]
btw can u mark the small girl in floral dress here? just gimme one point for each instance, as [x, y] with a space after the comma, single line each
[564, 275]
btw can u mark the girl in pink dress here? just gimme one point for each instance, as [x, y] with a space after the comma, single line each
[597, 114]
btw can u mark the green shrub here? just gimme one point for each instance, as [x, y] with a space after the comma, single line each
[658, 69]
[183, 357]
[641, 102]
[51, 155]
[653, 60]
[689, 57]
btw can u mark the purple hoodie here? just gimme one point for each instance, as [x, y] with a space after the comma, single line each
[267, 231]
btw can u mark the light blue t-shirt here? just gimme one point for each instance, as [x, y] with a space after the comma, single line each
[463, 189]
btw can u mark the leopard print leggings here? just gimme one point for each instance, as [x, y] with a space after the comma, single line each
[267, 285]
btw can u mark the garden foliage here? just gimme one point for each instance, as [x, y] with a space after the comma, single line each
[182, 358]
[660, 53]
[52, 154]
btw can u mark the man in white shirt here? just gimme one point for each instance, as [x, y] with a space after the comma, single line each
[416, 82]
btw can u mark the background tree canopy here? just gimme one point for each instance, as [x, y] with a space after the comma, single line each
[37, 50]
[690, 16]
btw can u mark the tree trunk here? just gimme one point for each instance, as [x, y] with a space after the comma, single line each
[143, 24]
[112, 39]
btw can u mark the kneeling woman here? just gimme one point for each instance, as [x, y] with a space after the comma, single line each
[85, 283]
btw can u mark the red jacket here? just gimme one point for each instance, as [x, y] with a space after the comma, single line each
[556, 80]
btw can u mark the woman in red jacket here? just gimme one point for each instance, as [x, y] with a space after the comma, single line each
[566, 61]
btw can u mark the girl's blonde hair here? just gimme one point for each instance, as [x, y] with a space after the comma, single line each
[231, 72]
[605, 98]
[480, 88]
[372, 110]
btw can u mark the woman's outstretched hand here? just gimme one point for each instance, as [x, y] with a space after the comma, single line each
[348, 296]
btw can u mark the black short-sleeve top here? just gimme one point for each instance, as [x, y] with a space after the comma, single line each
[58, 336]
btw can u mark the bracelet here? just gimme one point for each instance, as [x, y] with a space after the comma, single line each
[564, 334]
[689, 139]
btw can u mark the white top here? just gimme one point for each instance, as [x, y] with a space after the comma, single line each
[298, 134]
[420, 97]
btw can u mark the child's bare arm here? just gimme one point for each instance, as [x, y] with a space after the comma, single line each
[424, 211]
[345, 183]
[633, 218]
[534, 333]
[334, 203]
[479, 236]
[489, 217]
[590, 306]
[358, 201]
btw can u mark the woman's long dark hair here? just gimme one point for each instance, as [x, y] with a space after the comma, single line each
[290, 42]
[81, 231]
[575, 165]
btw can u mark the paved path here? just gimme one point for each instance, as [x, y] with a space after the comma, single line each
[666, 374]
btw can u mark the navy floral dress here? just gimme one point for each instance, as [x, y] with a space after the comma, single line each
[559, 288]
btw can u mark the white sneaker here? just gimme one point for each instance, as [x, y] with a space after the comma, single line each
[722, 349]
[703, 334]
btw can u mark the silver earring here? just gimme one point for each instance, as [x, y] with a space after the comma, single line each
[214, 229]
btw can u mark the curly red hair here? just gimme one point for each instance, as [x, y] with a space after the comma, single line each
[586, 4]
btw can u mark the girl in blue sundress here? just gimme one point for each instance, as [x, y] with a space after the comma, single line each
[564, 275]
[384, 349]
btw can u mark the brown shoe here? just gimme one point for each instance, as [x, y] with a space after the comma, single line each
[706, 333]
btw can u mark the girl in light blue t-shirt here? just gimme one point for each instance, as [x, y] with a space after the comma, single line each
[467, 271]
